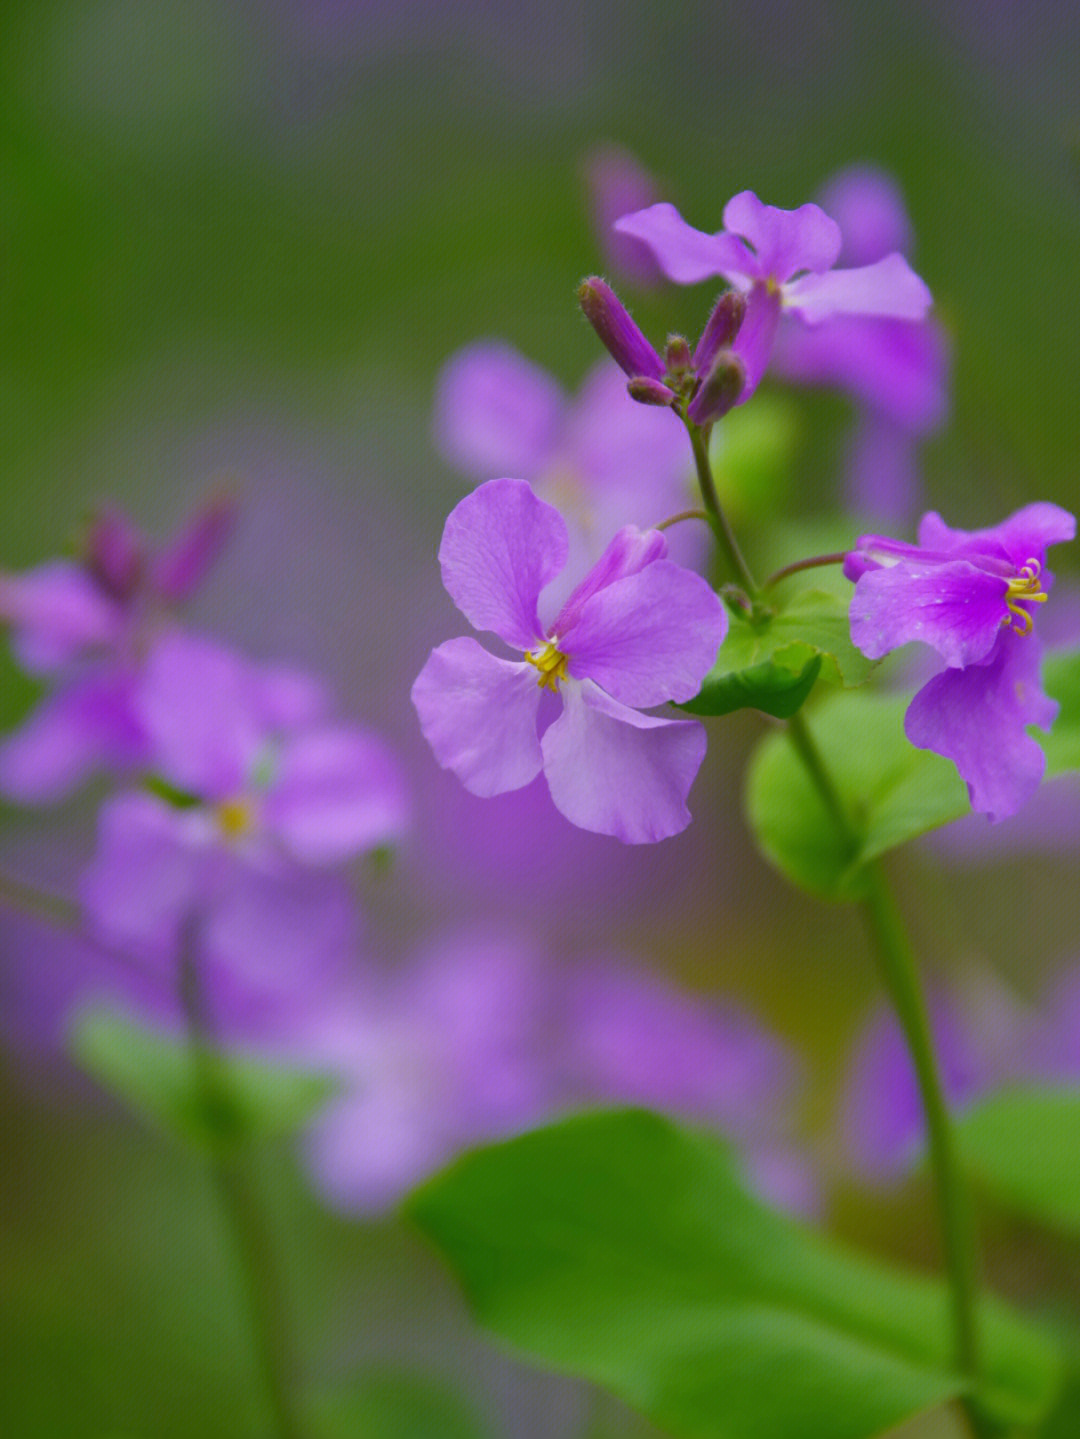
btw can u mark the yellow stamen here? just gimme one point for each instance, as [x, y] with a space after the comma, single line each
[1024, 586]
[234, 817]
[552, 666]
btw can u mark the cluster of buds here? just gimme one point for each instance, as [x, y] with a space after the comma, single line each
[703, 384]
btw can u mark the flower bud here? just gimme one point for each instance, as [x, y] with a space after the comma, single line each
[619, 334]
[113, 552]
[180, 568]
[649, 392]
[677, 355]
[720, 390]
[720, 329]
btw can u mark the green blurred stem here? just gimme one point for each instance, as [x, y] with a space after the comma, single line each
[231, 1172]
[896, 962]
[725, 535]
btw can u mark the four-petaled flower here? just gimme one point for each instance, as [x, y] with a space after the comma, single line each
[971, 596]
[782, 260]
[636, 632]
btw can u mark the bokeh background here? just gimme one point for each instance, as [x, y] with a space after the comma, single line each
[239, 241]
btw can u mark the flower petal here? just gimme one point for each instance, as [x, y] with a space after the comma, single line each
[500, 547]
[869, 208]
[978, 716]
[617, 772]
[57, 612]
[687, 255]
[335, 793]
[785, 241]
[953, 606]
[496, 413]
[478, 714]
[889, 289]
[649, 637]
[1025, 535]
[754, 342]
[628, 552]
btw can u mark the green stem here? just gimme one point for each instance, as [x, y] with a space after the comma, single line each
[725, 535]
[231, 1172]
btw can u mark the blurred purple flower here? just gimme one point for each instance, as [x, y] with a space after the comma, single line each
[616, 184]
[636, 632]
[782, 260]
[599, 458]
[970, 595]
[85, 626]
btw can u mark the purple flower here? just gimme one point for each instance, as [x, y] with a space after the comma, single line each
[601, 459]
[85, 626]
[782, 260]
[616, 184]
[636, 632]
[971, 596]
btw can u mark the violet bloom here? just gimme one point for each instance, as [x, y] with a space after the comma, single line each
[617, 184]
[972, 596]
[84, 625]
[636, 632]
[598, 457]
[782, 260]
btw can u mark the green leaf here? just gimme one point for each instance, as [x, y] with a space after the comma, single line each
[770, 661]
[892, 793]
[241, 1099]
[622, 1248]
[1061, 680]
[383, 1405]
[1024, 1147]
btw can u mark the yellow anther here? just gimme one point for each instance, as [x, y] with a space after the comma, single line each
[552, 666]
[1025, 585]
[234, 817]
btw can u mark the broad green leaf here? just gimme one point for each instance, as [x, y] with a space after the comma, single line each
[892, 793]
[1024, 1147]
[244, 1099]
[622, 1248]
[770, 662]
[383, 1405]
[1061, 680]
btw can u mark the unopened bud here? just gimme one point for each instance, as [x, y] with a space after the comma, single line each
[113, 552]
[649, 392]
[720, 390]
[618, 333]
[181, 566]
[720, 329]
[677, 355]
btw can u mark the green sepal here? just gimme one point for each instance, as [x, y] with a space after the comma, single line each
[238, 1099]
[1023, 1147]
[623, 1248]
[891, 791]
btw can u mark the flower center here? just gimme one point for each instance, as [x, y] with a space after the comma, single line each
[235, 817]
[1026, 586]
[551, 663]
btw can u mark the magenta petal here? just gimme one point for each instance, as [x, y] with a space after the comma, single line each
[80, 729]
[869, 208]
[334, 794]
[478, 713]
[57, 612]
[496, 413]
[500, 547]
[618, 772]
[953, 606]
[889, 288]
[754, 342]
[785, 241]
[978, 717]
[684, 254]
[1025, 535]
[628, 552]
[648, 638]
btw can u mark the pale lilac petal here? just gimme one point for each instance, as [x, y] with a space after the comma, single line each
[335, 793]
[373, 1144]
[650, 637]
[889, 289]
[286, 699]
[884, 477]
[978, 717]
[953, 606]
[754, 342]
[687, 255]
[80, 729]
[500, 547]
[869, 207]
[618, 184]
[784, 241]
[618, 772]
[478, 713]
[496, 413]
[199, 705]
[628, 552]
[1025, 535]
[56, 613]
[184, 562]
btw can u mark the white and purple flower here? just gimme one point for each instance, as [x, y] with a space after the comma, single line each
[972, 596]
[782, 261]
[637, 632]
